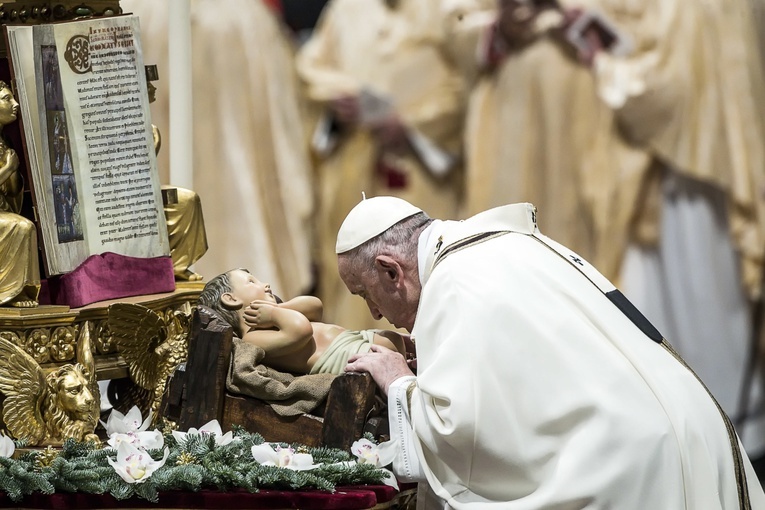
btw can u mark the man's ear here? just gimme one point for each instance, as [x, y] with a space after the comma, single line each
[230, 301]
[388, 270]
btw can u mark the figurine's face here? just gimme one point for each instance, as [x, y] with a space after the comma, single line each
[9, 108]
[246, 288]
[74, 395]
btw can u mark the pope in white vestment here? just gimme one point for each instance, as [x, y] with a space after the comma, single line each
[539, 387]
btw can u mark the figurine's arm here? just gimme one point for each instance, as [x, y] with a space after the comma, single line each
[10, 163]
[310, 306]
[278, 330]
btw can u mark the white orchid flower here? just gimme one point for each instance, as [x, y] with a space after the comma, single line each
[135, 465]
[119, 423]
[7, 446]
[266, 455]
[212, 428]
[381, 455]
[366, 452]
[148, 440]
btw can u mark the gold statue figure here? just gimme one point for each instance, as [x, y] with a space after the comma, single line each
[185, 224]
[19, 266]
[47, 407]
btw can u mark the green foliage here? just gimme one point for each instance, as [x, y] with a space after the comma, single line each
[194, 464]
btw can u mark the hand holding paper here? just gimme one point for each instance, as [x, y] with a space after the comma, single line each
[590, 31]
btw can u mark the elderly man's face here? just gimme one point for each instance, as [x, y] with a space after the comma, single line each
[383, 300]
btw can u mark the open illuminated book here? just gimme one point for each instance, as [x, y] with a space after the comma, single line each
[87, 138]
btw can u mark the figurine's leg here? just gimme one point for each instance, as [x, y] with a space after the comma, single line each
[188, 275]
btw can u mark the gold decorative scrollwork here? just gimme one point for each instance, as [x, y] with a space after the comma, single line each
[36, 344]
[104, 340]
[11, 336]
[62, 343]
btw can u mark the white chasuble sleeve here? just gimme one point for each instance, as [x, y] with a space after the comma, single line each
[406, 466]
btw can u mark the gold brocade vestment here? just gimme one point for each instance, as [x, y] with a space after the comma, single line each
[538, 132]
[399, 50]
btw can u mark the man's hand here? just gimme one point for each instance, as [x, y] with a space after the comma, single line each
[346, 109]
[260, 315]
[384, 365]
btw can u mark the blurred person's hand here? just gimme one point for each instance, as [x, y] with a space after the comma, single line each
[590, 39]
[346, 109]
[391, 135]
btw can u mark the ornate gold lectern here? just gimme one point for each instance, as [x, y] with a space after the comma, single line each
[38, 342]
[52, 356]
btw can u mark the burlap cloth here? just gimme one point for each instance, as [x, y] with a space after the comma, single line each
[288, 394]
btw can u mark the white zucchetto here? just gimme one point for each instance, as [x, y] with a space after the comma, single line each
[370, 218]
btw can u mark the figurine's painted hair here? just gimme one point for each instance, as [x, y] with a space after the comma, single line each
[4, 85]
[212, 295]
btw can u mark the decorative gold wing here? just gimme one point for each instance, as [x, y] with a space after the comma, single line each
[141, 338]
[152, 346]
[22, 381]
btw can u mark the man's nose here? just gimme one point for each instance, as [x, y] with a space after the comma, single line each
[375, 312]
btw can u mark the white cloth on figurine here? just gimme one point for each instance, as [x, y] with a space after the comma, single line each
[558, 399]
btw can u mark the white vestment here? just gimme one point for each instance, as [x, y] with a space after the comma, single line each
[534, 391]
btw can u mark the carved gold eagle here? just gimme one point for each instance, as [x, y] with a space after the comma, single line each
[151, 345]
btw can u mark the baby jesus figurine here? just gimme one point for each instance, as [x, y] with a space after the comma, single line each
[291, 332]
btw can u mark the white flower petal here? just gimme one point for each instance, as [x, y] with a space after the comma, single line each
[302, 462]
[212, 427]
[224, 439]
[145, 425]
[133, 419]
[115, 424]
[7, 446]
[150, 440]
[265, 454]
[390, 479]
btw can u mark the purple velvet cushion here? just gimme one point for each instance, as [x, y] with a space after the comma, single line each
[109, 276]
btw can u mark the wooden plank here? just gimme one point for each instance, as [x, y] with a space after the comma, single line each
[257, 416]
[206, 370]
[350, 401]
